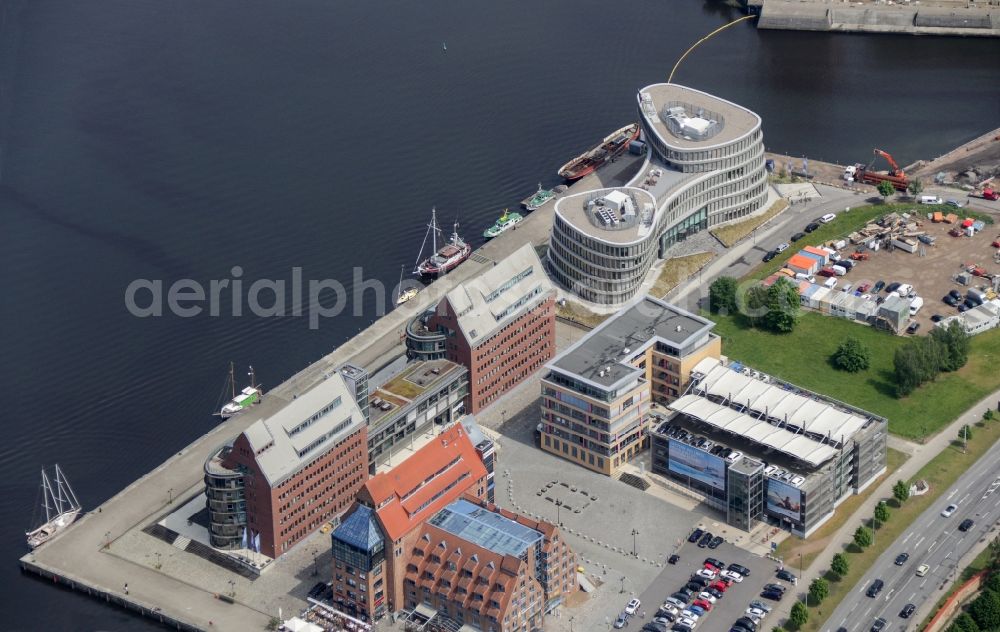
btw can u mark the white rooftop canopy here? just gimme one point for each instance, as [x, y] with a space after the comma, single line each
[760, 398]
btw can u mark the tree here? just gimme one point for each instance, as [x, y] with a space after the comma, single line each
[782, 306]
[819, 590]
[752, 303]
[993, 583]
[955, 343]
[852, 356]
[885, 189]
[799, 615]
[901, 492]
[916, 187]
[881, 513]
[863, 537]
[840, 565]
[985, 610]
[907, 370]
[722, 295]
[964, 623]
[965, 433]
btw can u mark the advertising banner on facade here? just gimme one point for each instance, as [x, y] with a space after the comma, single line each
[784, 500]
[694, 463]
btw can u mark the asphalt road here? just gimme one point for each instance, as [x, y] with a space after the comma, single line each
[933, 540]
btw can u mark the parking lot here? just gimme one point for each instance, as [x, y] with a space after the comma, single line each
[931, 270]
[733, 602]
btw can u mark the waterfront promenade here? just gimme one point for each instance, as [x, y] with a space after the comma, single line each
[106, 548]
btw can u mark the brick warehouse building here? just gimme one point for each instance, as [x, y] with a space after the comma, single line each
[371, 544]
[499, 325]
[287, 475]
[477, 565]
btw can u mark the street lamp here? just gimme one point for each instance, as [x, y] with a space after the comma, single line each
[559, 504]
[800, 577]
[571, 624]
[158, 560]
[622, 591]
[315, 563]
[634, 533]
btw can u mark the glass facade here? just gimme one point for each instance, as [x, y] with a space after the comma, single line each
[744, 507]
[690, 225]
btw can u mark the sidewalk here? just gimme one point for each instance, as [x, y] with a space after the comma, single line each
[920, 455]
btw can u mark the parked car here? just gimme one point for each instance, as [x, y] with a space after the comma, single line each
[770, 254]
[673, 559]
[674, 602]
[892, 287]
[811, 227]
[755, 612]
[715, 592]
[716, 541]
[773, 595]
[705, 539]
[954, 203]
[782, 247]
[875, 588]
[878, 286]
[707, 596]
[621, 621]
[704, 604]
[632, 606]
[736, 577]
[966, 524]
[747, 622]
[720, 586]
[797, 236]
[777, 587]
[696, 535]
[694, 587]
[787, 576]
[950, 300]
[707, 574]
[907, 610]
[912, 329]
[936, 318]
[760, 605]
[901, 558]
[955, 294]
[700, 581]
[742, 570]
[829, 217]
[950, 509]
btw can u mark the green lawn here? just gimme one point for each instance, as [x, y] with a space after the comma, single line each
[803, 358]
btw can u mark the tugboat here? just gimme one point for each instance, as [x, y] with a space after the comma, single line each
[61, 508]
[612, 146]
[245, 399]
[507, 220]
[539, 199]
[448, 257]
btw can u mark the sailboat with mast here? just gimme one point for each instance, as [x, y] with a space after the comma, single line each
[246, 398]
[60, 505]
[404, 294]
[445, 259]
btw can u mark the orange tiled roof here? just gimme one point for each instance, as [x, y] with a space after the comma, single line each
[421, 477]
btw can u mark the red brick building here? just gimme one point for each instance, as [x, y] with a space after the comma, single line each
[500, 325]
[287, 475]
[370, 547]
[477, 565]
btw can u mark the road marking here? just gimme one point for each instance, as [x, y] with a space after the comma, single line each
[912, 596]
[922, 538]
[948, 554]
[931, 547]
[963, 498]
[908, 536]
[953, 492]
[923, 582]
[888, 595]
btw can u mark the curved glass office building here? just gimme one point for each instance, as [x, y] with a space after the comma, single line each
[704, 167]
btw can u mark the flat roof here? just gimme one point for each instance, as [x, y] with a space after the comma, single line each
[641, 322]
[800, 413]
[485, 528]
[416, 380]
[737, 120]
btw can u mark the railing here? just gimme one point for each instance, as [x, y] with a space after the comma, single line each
[691, 111]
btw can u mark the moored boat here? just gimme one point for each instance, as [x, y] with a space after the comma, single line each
[613, 145]
[60, 505]
[538, 199]
[246, 398]
[445, 259]
[507, 221]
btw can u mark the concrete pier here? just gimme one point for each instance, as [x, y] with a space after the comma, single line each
[107, 548]
[941, 18]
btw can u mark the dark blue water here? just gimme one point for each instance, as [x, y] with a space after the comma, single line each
[143, 139]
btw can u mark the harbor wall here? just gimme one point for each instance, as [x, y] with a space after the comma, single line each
[876, 18]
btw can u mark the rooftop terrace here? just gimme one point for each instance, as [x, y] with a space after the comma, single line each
[706, 121]
[410, 385]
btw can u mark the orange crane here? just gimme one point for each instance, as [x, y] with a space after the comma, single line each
[895, 170]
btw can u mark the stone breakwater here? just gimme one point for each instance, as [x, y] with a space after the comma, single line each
[856, 18]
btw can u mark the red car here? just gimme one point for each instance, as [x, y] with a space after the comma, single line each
[702, 604]
[720, 585]
[712, 567]
[826, 272]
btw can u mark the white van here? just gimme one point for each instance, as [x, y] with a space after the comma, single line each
[904, 289]
[930, 199]
[830, 283]
[916, 305]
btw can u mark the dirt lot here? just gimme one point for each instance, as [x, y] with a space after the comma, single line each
[932, 274]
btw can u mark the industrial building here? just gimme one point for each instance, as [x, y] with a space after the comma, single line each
[760, 449]
[287, 475]
[705, 167]
[499, 325]
[597, 394]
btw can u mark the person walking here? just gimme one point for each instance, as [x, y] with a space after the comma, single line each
[126, 588]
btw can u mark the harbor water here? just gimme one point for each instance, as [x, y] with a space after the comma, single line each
[239, 140]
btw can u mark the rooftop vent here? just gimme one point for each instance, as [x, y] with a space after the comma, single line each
[626, 350]
[678, 329]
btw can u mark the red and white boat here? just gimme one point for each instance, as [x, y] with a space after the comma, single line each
[446, 258]
[613, 145]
